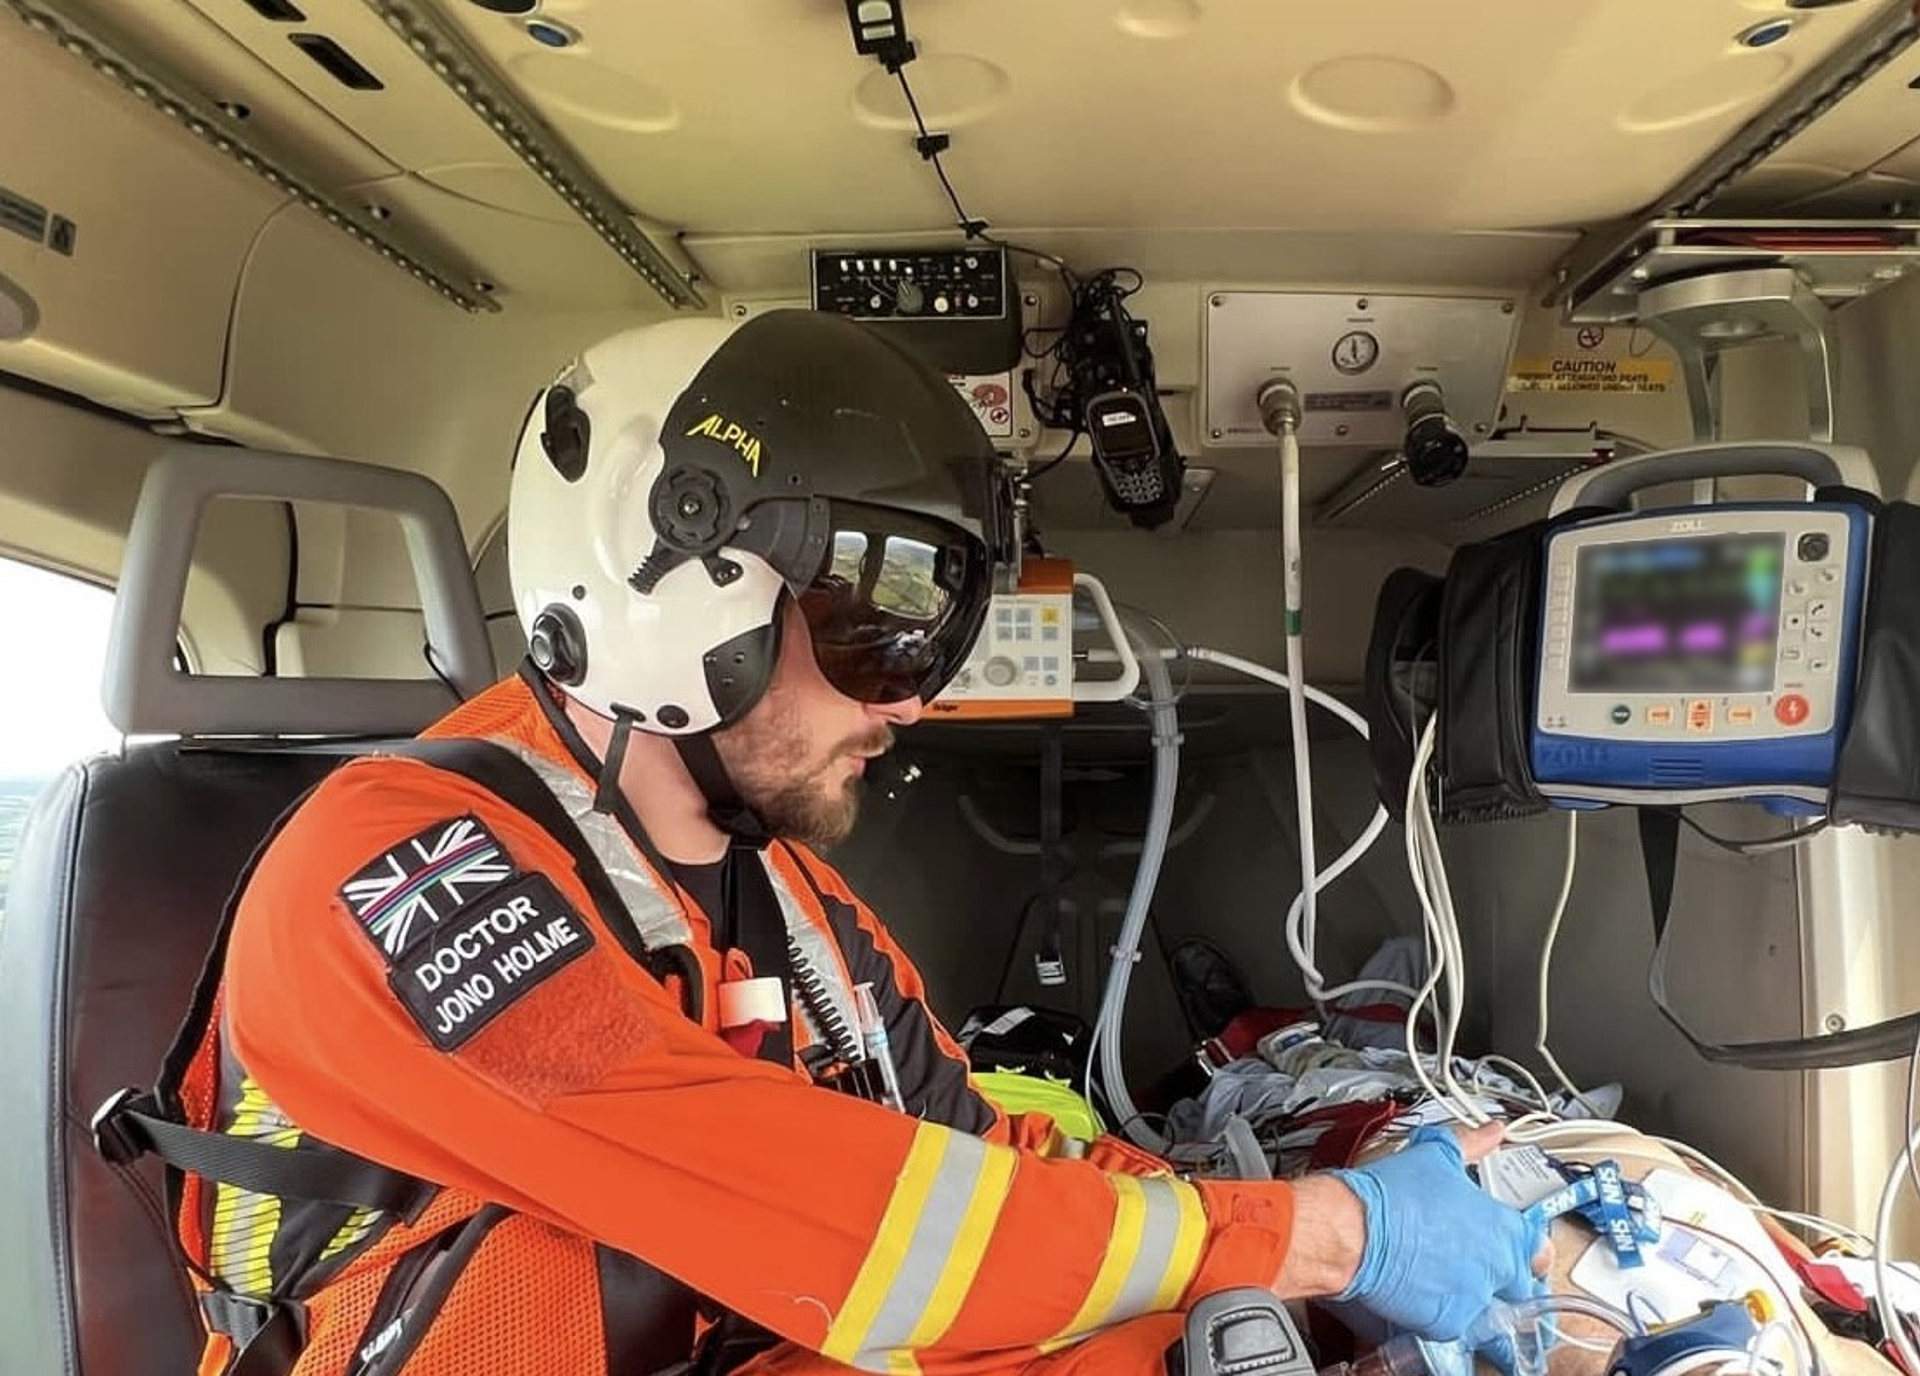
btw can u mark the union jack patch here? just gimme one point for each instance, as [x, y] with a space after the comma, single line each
[424, 880]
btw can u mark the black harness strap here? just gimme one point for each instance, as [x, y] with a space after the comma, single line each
[1883, 1041]
[132, 1125]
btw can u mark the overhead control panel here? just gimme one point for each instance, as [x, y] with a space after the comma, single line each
[956, 307]
[1355, 359]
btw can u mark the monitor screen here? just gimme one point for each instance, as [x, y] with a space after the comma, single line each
[1681, 616]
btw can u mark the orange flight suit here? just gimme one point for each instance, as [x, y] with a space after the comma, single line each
[576, 1118]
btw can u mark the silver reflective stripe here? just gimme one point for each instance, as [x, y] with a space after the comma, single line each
[821, 955]
[935, 1233]
[655, 911]
[1159, 1233]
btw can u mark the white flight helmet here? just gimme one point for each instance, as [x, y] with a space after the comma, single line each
[679, 479]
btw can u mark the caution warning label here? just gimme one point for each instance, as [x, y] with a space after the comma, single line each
[991, 397]
[1641, 376]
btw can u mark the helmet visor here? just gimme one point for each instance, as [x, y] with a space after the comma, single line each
[897, 604]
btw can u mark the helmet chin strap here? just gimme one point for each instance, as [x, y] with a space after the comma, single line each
[606, 796]
[725, 808]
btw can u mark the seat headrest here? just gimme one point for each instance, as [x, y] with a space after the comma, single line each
[145, 691]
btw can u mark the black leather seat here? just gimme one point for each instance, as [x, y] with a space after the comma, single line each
[123, 872]
[125, 868]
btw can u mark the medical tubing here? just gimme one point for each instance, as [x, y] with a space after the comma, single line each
[1106, 1048]
[1543, 1306]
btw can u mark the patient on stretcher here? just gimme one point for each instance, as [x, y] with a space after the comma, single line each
[1652, 1231]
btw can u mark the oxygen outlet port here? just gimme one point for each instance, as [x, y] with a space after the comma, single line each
[1434, 449]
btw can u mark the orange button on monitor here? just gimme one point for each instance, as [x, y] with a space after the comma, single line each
[1740, 716]
[1660, 716]
[1792, 709]
[1700, 715]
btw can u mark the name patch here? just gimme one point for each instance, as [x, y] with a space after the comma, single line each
[459, 975]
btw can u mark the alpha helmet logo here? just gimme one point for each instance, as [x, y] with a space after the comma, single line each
[718, 427]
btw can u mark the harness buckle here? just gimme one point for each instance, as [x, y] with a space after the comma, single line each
[236, 1316]
[116, 1138]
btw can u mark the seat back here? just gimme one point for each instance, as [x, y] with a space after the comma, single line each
[125, 867]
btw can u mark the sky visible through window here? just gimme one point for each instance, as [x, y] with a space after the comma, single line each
[54, 630]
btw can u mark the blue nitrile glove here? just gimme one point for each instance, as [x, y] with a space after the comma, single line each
[1439, 1250]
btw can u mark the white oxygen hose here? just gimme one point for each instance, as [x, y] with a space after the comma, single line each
[1284, 411]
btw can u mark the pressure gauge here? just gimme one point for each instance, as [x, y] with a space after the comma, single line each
[1355, 352]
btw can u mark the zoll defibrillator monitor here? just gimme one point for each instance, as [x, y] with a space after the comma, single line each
[1699, 653]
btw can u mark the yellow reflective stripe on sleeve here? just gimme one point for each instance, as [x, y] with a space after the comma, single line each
[1189, 1239]
[969, 1247]
[890, 1243]
[927, 1252]
[1123, 1248]
[1159, 1227]
[1159, 1236]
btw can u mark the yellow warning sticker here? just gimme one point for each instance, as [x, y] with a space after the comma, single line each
[1642, 376]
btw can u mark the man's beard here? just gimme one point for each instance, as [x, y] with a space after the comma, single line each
[763, 759]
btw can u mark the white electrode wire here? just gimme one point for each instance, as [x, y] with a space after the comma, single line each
[1416, 797]
[1302, 934]
[1883, 1230]
[1105, 1048]
[1420, 864]
[1518, 1073]
[1822, 1227]
[1295, 597]
[1534, 1132]
[1301, 940]
[1757, 1350]
[1456, 957]
[1546, 965]
[1450, 961]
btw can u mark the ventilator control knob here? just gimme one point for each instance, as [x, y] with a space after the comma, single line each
[1001, 671]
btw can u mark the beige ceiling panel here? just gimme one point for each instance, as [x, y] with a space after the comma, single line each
[1881, 116]
[333, 353]
[1892, 191]
[462, 190]
[414, 121]
[1903, 164]
[1776, 185]
[554, 261]
[135, 316]
[756, 115]
[216, 52]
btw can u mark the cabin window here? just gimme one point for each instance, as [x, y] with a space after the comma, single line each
[54, 628]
